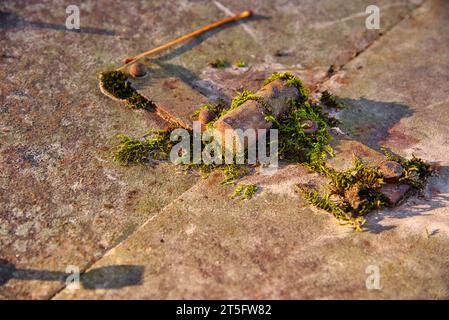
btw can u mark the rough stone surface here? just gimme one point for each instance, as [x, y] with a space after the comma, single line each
[64, 202]
[346, 150]
[273, 246]
[396, 94]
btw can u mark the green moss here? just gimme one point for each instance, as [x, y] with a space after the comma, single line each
[416, 170]
[359, 184]
[219, 63]
[245, 191]
[117, 84]
[364, 184]
[329, 100]
[324, 203]
[358, 187]
[297, 145]
[240, 64]
[246, 95]
[233, 172]
[133, 151]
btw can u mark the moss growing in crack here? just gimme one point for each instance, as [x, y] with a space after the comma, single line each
[330, 101]
[219, 63]
[233, 172]
[240, 64]
[323, 202]
[132, 151]
[117, 84]
[245, 191]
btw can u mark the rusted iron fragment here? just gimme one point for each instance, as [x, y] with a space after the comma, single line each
[394, 192]
[271, 99]
[175, 99]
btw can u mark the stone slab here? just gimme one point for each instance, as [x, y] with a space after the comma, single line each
[59, 189]
[273, 246]
[397, 97]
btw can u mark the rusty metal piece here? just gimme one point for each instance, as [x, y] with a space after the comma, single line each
[206, 116]
[391, 170]
[252, 113]
[138, 70]
[394, 192]
[309, 126]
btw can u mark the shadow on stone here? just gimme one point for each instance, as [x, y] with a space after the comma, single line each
[109, 277]
[9, 20]
[199, 39]
[370, 122]
[434, 196]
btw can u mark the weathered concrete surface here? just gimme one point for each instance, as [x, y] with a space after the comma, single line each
[204, 245]
[273, 247]
[397, 96]
[62, 199]
[306, 38]
[63, 202]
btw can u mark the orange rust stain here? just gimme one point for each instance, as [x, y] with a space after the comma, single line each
[399, 139]
[170, 84]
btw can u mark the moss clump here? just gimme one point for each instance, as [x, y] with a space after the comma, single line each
[323, 202]
[358, 189]
[329, 100]
[133, 151]
[219, 63]
[245, 191]
[297, 145]
[233, 172]
[117, 84]
[240, 64]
